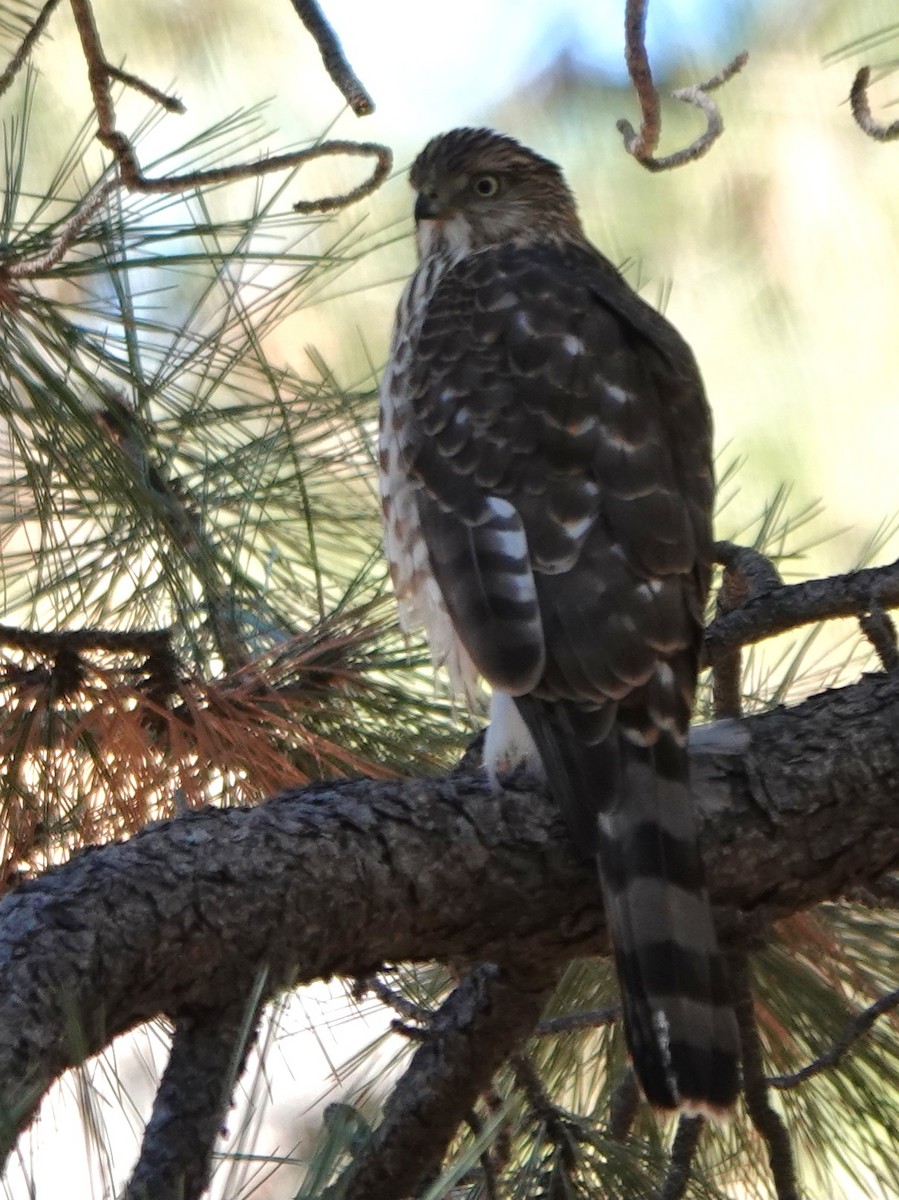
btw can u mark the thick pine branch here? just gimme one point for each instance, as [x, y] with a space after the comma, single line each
[800, 807]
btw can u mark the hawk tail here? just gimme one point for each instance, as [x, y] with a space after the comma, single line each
[630, 804]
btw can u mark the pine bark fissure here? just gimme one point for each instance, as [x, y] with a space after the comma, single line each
[800, 806]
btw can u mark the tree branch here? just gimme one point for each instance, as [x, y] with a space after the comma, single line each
[38, 25]
[799, 806]
[755, 1087]
[861, 110]
[335, 63]
[208, 1053]
[686, 1141]
[491, 1011]
[857, 1028]
[793, 605]
[747, 573]
[642, 145]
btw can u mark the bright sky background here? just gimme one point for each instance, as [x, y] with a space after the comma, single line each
[459, 59]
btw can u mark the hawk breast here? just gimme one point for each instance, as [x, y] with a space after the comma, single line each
[545, 447]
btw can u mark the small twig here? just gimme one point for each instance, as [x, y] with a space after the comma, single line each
[475, 1030]
[856, 1028]
[877, 626]
[101, 71]
[99, 75]
[209, 1050]
[379, 174]
[406, 1008]
[861, 110]
[642, 145]
[756, 568]
[755, 1086]
[501, 1151]
[531, 1086]
[69, 231]
[683, 1151]
[623, 1105]
[561, 1128]
[592, 1019]
[413, 1033]
[170, 103]
[793, 605]
[148, 641]
[335, 63]
[747, 573]
[488, 1174]
[134, 179]
[37, 28]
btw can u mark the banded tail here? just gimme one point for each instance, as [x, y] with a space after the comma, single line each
[631, 805]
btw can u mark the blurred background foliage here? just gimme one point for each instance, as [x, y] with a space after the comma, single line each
[189, 409]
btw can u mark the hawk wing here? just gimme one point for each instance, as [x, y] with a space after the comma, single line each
[560, 441]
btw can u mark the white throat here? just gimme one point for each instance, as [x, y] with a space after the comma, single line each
[449, 239]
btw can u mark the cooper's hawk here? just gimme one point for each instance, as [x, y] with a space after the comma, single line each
[547, 486]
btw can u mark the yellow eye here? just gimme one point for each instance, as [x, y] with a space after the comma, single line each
[486, 185]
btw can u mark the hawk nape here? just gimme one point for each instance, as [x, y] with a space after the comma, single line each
[547, 486]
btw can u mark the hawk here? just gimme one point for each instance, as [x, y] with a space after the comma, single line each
[547, 486]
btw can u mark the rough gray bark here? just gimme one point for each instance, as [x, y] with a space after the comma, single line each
[772, 609]
[208, 1053]
[491, 1012]
[800, 805]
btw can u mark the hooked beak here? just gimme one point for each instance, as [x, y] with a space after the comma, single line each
[427, 208]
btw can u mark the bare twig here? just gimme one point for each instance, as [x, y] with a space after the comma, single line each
[856, 1029]
[547, 1027]
[378, 175]
[138, 641]
[877, 626]
[333, 58]
[861, 110]
[531, 1086]
[561, 1128]
[758, 571]
[208, 1053]
[488, 1174]
[99, 75]
[686, 1140]
[472, 1034]
[28, 42]
[133, 177]
[623, 1105]
[642, 145]
[69, 231]
[755, 1087]
[568, 1022]
[746, 573]
[170, 103]
[794, 605]
[395, 1000]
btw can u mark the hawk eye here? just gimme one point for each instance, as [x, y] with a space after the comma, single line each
[486, 185]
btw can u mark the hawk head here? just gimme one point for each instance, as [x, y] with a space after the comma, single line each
[477, 188]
